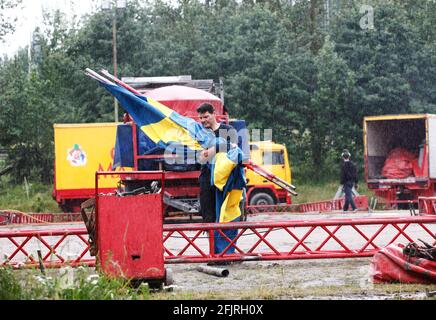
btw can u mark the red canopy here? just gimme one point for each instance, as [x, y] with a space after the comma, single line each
[185, 100]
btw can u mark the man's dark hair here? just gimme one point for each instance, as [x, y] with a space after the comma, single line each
[205, 107]
[346, 154]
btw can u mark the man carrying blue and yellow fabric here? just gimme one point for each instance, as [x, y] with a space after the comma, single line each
[220, 194]
[170, 131]
[206, 115]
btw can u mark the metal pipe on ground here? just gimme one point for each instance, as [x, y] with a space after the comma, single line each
[219, 272]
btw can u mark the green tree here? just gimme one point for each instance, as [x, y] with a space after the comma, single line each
[7, 18]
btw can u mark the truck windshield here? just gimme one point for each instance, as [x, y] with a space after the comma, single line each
[273, 158]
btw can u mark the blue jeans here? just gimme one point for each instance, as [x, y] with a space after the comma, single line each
[348, 187]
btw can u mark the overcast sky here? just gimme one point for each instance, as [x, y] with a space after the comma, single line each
[31, 16]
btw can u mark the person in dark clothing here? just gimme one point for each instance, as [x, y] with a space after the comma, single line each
[206, 114]
[348, 180]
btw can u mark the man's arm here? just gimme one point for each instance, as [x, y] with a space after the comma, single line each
[229, 139]
[356, 176]
[342, 174]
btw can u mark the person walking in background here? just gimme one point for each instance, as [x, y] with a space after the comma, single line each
[348, 180]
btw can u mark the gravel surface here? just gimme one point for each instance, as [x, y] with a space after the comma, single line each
[331, 278]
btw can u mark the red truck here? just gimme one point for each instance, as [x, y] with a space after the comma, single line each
[184, 96]
[400, 157]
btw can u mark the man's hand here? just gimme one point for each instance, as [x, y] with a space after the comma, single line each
[204, 155]
[207, 154]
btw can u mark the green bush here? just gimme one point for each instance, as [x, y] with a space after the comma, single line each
[10, 288]
[67, 284]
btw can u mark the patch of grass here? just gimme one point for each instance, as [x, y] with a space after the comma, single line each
[66, 284]
[387, 291]
[27, 197]
[10, 288]
[318, 191]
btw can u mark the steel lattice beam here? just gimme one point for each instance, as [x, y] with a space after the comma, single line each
[263, 240]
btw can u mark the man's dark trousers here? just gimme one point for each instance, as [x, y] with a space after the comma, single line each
[348, 189]
[207, 198]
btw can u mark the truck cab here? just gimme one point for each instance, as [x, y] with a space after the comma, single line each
[274, 158]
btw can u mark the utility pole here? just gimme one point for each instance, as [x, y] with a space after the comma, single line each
[115, 57]
[113, 6]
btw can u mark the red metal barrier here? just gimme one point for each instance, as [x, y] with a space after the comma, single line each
[57, 247]
[16, 217]
[427, 205]
[265, 240]
[273, 209]
[332, 205]
[318, 206]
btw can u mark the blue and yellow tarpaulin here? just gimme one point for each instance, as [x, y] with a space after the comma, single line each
[166, 128]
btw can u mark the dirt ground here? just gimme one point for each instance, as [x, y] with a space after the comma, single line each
[304, 279]
[293, 279]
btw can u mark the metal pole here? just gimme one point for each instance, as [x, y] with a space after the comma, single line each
[115, 58]
[219, 272]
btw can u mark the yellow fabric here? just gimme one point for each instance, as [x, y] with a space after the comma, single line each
[223, 168]
[167, 131]
[230, 208]
[162, 108]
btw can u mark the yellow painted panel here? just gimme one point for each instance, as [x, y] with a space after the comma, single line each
[399, 117]
[80, 151]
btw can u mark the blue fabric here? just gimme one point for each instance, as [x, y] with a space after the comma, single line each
[143, 113]
[243, 137]
[123, 155]
[236, 180]
[221, 243]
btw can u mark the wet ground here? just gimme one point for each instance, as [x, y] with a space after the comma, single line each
[305, 279]
[295, 279]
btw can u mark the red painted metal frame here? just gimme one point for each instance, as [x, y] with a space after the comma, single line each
[51, 258]
[331, 205]
[12, 217]
[317, 206]
[310, 227]
[427, 205]
[130, 175]
[190, 243]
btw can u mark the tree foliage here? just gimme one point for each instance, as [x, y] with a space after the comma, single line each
[7, 19]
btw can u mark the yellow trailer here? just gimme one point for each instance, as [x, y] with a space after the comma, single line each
[80, 151]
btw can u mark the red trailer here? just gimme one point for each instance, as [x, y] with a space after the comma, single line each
[400, 157]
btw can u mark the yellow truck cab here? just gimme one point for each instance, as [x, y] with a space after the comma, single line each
[274, 158]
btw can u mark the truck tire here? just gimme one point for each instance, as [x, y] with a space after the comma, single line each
[262, 199]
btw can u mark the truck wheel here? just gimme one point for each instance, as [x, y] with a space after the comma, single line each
[261, 199]
[169, 280]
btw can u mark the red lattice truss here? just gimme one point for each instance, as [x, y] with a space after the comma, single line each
[263, 240]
